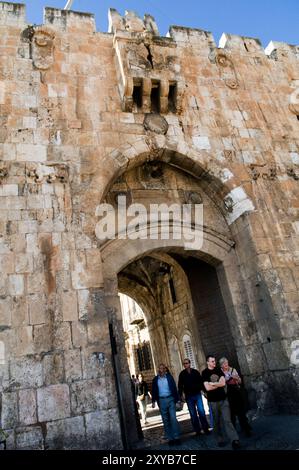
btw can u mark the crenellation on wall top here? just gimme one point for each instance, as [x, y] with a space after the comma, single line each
[13, 14]
[242, 44]
[66, 20]
[193, 35]
[130, 25]
[277, 49]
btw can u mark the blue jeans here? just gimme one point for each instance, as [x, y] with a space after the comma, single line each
[168, 413]
[197, 413]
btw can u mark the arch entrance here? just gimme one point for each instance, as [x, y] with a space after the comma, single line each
[185, 293]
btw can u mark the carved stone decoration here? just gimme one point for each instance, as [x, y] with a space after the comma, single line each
[222, 60]
[264, 171]
[42, 44]
[226, 68]
[155, 123]
[146, 66]
[132, 23]
[231, 83]
[47, 173]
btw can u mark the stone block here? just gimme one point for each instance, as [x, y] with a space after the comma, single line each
[88, 395]
[92, 364]
[9, 415]
[276, 356]
[62, 336]
[24, 263]
[53, 402]
[37, 309]
[73, 365]
[201, 142]
[79, 334]
[16, 284]
[26, 372]
[9, 190]
[83, 303]
[43, 338]
[35, 283]
[53, 369]
[103, 426]
[9, 152]
[27, 407]
[66, 434]
[5, 310]
[287, 279]
[24, 341]
[30, 438]
[31, 153]
[69, 306]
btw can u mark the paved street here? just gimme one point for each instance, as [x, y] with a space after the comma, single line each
[269, 433]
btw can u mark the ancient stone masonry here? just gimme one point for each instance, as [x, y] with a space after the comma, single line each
[86, 115]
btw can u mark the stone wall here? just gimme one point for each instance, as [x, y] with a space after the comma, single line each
[71, 123]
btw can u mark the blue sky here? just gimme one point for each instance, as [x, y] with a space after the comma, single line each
[266, 19]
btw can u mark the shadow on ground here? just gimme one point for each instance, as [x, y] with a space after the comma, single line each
[278, 432]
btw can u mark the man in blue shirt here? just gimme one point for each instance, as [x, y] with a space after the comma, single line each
[165, 393]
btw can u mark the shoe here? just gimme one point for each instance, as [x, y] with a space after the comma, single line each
[197, 434]
[221, 444]
[236, 445]
[171, 442]
[207, 432]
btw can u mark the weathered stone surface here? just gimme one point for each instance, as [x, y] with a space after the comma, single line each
[73, 365]
[88, 395]
[27, 406]
[26, 372]
[9, 415]
[100, 427]
[53, 369]
[66, 434]
[29, 438]
[69, 306]
[53, 402]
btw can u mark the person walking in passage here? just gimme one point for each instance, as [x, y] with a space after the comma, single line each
[190, 386]
[164, 392]
[214, 383]
[235, 397]
[142, 395]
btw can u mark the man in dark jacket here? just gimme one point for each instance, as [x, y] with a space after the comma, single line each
[165, 393]
[191, 385]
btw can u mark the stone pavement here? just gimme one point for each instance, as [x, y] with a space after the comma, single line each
[278, 432]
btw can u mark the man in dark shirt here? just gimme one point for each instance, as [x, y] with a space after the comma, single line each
[214, 383]
[190, 384]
